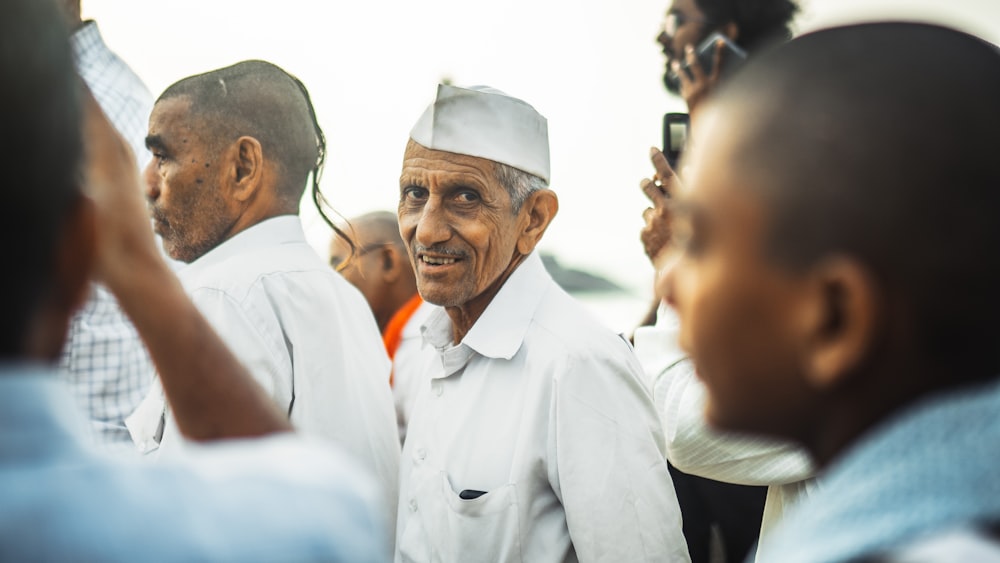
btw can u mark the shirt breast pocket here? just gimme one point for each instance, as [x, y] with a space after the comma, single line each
[486, 528]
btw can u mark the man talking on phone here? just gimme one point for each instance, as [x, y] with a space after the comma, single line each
[703, 41]
[747, 25]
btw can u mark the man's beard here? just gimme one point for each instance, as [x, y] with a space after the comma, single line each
[671, 81]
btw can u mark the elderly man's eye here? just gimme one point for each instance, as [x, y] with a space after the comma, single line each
[467, 196]
[412, 193]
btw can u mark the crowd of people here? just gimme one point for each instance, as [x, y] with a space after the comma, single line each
[820, 380]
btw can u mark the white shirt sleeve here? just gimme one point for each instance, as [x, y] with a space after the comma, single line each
[610, 471]
[263, 354]
[691, 445]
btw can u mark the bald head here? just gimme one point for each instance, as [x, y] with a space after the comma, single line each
[877, 141]
[377, 227]
[259, 100]
[380, 266]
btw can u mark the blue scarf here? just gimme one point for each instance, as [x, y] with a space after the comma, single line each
[933, 467]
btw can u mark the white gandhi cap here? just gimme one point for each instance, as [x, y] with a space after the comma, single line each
[487, 123]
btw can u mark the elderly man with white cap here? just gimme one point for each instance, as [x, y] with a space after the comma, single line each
[534, 438]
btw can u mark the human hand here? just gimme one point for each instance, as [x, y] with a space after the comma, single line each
[111, 179]
[655, 235]
[695, 83]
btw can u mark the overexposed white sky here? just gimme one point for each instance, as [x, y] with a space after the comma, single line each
[591, 67]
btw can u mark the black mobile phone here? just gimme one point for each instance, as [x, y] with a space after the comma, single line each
[675, 133]
[732, 54]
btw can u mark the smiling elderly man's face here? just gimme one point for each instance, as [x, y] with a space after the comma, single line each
[458, 224]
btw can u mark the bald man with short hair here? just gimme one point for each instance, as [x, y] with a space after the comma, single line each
[233, 150]
[380, 268]
[836, 278]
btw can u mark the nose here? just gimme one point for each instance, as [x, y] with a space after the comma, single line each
[663, 39]
[151, 180]
[432, 224]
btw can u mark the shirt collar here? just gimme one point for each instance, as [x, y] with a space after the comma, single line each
[499, 331]
[284, 229]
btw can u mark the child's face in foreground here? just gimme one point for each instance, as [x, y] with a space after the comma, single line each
[742, 315]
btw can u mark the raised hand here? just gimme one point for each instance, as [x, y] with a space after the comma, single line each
[655, 235]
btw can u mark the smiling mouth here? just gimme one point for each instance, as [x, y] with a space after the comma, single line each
[437, 261]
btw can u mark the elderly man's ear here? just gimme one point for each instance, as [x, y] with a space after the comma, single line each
[537, 212]
[394, 263]
[248, 167]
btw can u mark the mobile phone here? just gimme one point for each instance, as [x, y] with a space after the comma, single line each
[675, 133]
[732, 55]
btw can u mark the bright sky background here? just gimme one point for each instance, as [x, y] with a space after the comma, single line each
[591, 67]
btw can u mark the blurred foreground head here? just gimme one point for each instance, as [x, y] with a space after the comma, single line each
[839, 231]
[40, 149]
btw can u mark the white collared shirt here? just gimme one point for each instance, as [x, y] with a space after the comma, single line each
[544, 410]
[306, 335]
[697, 449]
[409, 366]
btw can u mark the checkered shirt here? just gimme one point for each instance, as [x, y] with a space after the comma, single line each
[104, 360]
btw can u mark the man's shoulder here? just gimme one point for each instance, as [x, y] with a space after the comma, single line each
[237, 272]
[563, 323]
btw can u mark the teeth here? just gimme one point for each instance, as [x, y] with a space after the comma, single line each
[438, 261]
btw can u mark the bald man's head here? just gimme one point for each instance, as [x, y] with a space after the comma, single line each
[259, 100]
[378, 227]
[380, 266]
[878, 141]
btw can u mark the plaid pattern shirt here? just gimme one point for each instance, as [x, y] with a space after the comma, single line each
[104, 361]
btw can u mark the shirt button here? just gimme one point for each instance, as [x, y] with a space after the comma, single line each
[437, 388]
[413, 505]
[421, 454]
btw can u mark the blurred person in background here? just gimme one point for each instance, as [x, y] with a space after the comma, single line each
[381, 270]
[719, 477]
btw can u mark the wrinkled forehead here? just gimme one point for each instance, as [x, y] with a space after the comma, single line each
[173, 113]
[422, 162]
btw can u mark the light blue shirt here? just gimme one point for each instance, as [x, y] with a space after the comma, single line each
[932, 467]
[273, 499]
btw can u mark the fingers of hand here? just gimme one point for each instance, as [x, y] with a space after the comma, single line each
[648, 214]
[663, 170]
[720, 52]
[653, 190]
[693, 65]
[682, 76]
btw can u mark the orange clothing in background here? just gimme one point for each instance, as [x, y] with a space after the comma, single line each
[394, 330]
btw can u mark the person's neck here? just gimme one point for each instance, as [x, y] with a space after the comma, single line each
[873, 400]
[464, 317]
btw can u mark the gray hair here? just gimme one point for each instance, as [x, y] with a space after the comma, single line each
[518, 183]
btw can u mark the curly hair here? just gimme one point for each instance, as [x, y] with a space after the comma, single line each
[760, 22]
